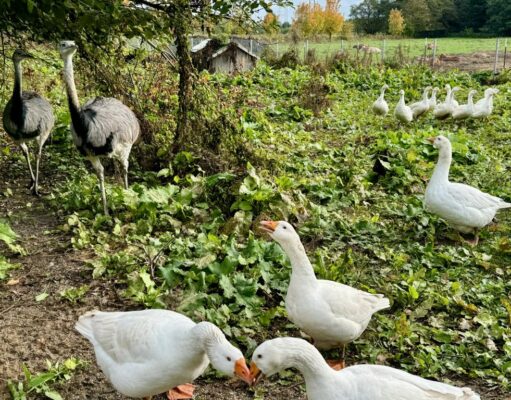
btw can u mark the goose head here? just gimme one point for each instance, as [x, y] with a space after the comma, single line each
[384, 87]
[20, 55]
[440, 142]
[490, 92]
[229, 360]
[271, 356]
[67, 48]
[281, 231]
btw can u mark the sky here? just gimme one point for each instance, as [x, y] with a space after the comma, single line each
[286, 14]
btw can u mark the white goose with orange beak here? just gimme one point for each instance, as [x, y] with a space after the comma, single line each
[464, 207]
[331, 313]
[359, 382]
[144, 353]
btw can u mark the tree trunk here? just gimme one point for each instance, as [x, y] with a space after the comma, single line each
[182, 22]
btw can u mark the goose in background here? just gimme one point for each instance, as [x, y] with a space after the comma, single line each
[448, 92]
[432, 100]
[103, 127]
[420, 107]
[331, 313]
[402, 112]
[27, 116]
[358, 382]
[464, 207]
[445, 109]
[484, 107]
[465, 111]
[380, 106]
[144, 353]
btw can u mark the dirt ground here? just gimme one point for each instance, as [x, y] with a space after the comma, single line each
[32, 332]
[474, 62]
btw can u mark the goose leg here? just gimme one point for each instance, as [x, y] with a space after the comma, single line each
[339, 364]
[96, 163]
[181, 392]
[24, 147]
[474, 242]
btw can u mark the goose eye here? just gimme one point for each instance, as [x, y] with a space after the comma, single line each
[285, 227]
[229, 359]
[259, 356]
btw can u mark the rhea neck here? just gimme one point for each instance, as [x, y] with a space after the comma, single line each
[305, 358]
[69, 79]
[17, 80]
[441, 172]
[300, 263]
[207, 335]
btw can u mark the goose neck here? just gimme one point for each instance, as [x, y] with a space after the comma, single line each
[206, 335]
[441, 172]
[306, 359]
[300, 263]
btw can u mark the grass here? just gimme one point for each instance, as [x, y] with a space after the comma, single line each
[410, 47]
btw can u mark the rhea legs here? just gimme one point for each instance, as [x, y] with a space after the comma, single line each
[100, 172]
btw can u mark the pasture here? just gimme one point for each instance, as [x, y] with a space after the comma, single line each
[184, 235]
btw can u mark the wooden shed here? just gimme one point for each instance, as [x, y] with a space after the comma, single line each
[212, 55]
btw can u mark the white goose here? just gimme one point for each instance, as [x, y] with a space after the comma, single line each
[484, 107]
[465, 110]
[420, 107]
[445, 109]
[432, 99]
[380, 106]
[464, 207]
[359, 382]
[331, 313]
[402, 112]
[448, 90]
[144, 353]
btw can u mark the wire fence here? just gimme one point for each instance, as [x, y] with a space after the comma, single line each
[464, 53]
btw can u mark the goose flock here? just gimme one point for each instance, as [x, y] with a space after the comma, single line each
[448, 108]
[148, 352]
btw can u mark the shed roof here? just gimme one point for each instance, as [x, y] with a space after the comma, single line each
[224, 48]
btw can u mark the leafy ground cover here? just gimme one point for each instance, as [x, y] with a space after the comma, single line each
[352, 183]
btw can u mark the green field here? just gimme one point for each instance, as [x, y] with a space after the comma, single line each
[410, 47]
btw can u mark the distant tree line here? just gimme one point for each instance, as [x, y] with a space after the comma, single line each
[436, 17]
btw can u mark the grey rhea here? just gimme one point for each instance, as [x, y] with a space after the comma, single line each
[103, 127]
[27, 116]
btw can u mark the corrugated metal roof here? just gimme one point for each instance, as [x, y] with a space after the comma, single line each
[223, 49]
[200, 46]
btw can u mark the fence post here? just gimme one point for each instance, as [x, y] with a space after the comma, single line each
[496, 56]
[425, 51]
[434, 53]
[278, 53]
[383, 52]
[505, 54]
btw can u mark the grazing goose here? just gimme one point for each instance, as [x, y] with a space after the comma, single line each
[331, 313]
[27, 116]
[445, 109]
[464, 207]
[402, 112]
[422, 106]
[103, 127]
[432, 99]
[144, 353]
[380, 106]
[465, 111]
[484, 107]
[359, 382]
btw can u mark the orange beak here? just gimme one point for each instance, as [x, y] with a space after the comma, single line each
[241, 370]
[268, 226]
[431, 140]
[255, 373]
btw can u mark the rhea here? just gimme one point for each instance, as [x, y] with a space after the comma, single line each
[27, 116]
[102, 128]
